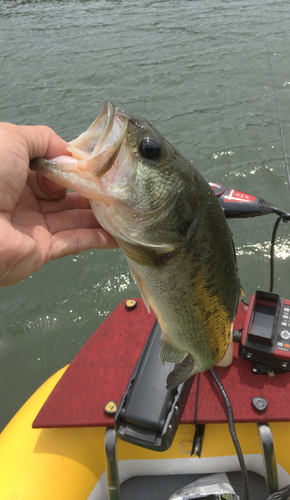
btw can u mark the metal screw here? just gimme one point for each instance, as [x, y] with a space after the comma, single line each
[169, 428]
[249, 355]
[284, 364]
[176, 409]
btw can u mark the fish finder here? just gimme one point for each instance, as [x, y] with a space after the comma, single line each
[266, 335]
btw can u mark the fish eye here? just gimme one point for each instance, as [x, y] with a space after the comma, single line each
[150, 148]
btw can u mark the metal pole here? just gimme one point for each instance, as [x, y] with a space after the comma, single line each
[112, 469]
[269, 459]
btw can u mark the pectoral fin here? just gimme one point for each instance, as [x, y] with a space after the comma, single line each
[143, 292]
[169, 353]
[181, 373]
[144, 256]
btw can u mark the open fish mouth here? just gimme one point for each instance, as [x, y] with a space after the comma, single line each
[93, 153]
[103, 137]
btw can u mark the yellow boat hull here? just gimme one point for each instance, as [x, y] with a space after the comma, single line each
[68, 464]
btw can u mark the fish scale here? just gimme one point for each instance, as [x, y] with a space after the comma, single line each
[171, 228]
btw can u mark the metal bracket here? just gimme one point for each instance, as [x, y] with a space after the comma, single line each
[112, 469]
[269, 459]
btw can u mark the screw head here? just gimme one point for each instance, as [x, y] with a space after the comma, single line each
[260, 403]
[130, 303]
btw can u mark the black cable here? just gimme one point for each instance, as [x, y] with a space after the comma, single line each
[199, 428]
[285, 218]
[272, 253]
[280, 212]
[282, 494]
[243, 300]
[234, 435]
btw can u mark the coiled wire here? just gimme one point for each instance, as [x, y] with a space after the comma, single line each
[234, 435]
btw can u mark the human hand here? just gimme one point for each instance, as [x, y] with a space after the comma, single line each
[39, 221]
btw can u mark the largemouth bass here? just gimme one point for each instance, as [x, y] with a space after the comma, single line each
[170, 226]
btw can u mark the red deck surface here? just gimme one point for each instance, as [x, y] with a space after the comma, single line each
[100, 372]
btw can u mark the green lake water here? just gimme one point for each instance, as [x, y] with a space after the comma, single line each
[199, 71]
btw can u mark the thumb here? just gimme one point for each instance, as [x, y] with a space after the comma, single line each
[42, 142]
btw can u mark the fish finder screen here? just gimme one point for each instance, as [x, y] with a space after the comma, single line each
[263, 321]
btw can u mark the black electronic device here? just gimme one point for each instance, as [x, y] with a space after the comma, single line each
[266, 334]
[148, 414]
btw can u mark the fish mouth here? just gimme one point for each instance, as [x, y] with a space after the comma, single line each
[103, 136]
[93, 154]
